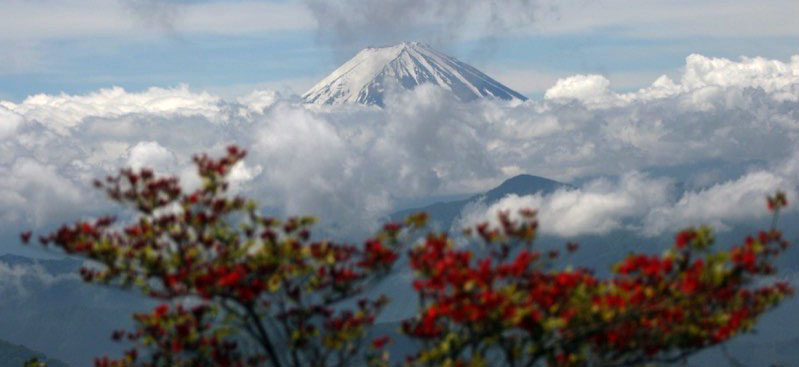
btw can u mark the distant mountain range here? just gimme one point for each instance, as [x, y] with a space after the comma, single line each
[372, 72]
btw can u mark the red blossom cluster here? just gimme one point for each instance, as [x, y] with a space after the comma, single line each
[180, 336]
[242, 289]
[510, 306]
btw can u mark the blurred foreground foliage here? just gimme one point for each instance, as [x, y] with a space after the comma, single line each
[242, 289]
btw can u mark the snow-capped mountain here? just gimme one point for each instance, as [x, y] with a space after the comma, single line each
[367, 76]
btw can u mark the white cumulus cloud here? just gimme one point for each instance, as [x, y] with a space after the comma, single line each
[704, 81]
[65, 111]
[151, 155]
[9, 121]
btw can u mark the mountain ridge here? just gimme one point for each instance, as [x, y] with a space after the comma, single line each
[15, 355]
[444, 213]
[373, 71]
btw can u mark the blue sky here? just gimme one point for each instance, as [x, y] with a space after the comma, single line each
[232, 47]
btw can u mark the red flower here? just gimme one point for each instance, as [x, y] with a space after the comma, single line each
[684, 238]
[689, 284]
[380, 342]
[25, 237]
[161, 310]
[392, 227]
[176, 346]
[171, 280]
[229, 279]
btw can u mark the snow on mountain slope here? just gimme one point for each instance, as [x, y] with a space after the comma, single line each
[367, 76]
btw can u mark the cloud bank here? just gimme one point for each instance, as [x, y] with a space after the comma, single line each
[18, 280]
[645, 205]
[352, 164]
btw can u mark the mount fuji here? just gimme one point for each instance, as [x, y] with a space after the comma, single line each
[373, 71]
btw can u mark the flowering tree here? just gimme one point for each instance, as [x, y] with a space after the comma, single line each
[242, 289]
[238, 288]
[507, 309]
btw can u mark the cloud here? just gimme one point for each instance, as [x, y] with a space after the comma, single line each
[245, 17]
[37, 20]
[719, 121]
[525, 81]
[726, 202]
[372, 23]
[259, 100]
[20, 57]
[158, 13]
[704, 81]
[151, 155]
[365, 21]
[175, 17]
[9, 122]
[662, 19]
[65, 111]
[773, 76]
[646, 205]
[17, 281]
[589, 89]
[377, 22]
[536, 81]
[23, 21]
[34, 191]
[597, 208]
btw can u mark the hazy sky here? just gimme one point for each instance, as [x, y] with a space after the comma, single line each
[231, 47]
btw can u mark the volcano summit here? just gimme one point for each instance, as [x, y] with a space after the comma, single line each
[367, 76]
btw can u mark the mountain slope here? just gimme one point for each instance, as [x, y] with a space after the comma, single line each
[12, 355]
[373, 71]
[444, 214]
[46, 307]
